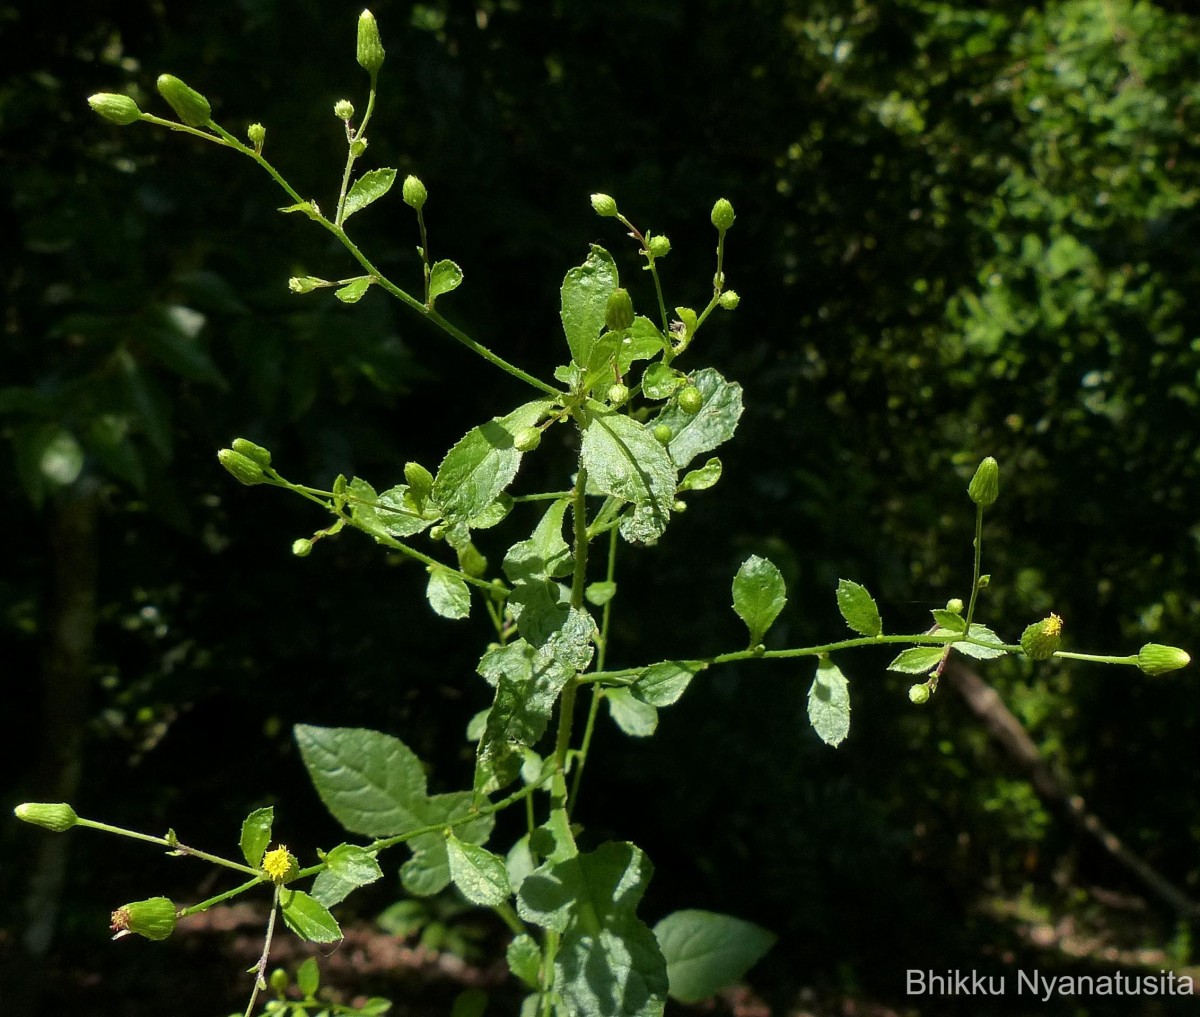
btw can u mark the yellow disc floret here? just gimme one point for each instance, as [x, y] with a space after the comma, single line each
[279, 864]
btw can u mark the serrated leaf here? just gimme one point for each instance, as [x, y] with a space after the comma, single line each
[256, 835]
[706, 951]
[428, 871]
[625, 460]
[308, 918]
[584, 294]
[447, 594]
[703, 478]
[479, 875]
[950, 621]
[858, 608]
[545, 554]
[642, 342]
[483, 463]
[524, 958]
[347, 867]
[829, 703]
[354, 290]
[371, 186]
[663, 684]
[633, 716]
[758, 595]
[444, 276]
[917, 659]
[714, 423]
[398, 514]
[991, 651]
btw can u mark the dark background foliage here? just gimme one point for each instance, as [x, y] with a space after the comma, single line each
[962, 230]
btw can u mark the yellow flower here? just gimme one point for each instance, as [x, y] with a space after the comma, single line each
[279, 864]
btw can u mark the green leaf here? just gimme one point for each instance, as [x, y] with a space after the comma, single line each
[444, 276]
[660, 381]
[371, 186]
[483, 463]
[308, 918]
[524, 958]
[600, 593]
[608, 963]
[663, 684]
[950, 621]
[308, 977]
[858, 608]
[703, 478]
[758, 595]
[706, 951]
[585, 293]
[307, 207]
[479, 875]
[400, 514]
[917, 659]
[984, 635]
[354, 290]
[829, 703]
[624, 459]
[347, 867]
[642, 342]
[256, 835]
[447, 594]
[633, 716]
[714, 423]
[545, 554]
[428, 871]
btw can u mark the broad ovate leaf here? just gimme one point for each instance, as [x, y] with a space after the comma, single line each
[829, 703]
[706, 951]
[371, 186]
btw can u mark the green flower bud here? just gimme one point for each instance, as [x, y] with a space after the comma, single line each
[56, 816]
[919, 694]
[437, 532]
[358, 146]
[278, 981]
[370, 46]
[189, 105]
[153, 919]
[659, 246]
[605, 205]
[722, 215]
[343, 109]
[1040, 640]
[729, 299]
[305, 283]
[247, 448]
[955, 605]
[1155, 659]
[244, 469]
[618, 315]
[115, 108]
[527, 439]
[414, 192]
[663, 433]
[618, 394]
[257, 135]
[302, 547]
[984, 488]
[691, 399]
[679, 505]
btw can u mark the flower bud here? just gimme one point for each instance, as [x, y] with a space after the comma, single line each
[1040, 640]
[722, 215]
[618, 315]
[278, 981]
[56, 816]
[247, 448]
[302, 547]
[414, 192]
[370, 46]
[984, 488]
[679, 505]
[955, 605]
[115, 108]
[729, 299]
[189, 105]
[305, 283]
[343, 109]
[527, 439]
[153, 918]
[257, 135]
[919, 694]
[663, 434]
[691, 399]
[244, 469]
[618, 394]
[605, 205]
[659, 245]
[358, 146]
[280, 864]
[1155, 659]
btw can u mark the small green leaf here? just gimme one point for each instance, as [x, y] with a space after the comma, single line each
[480, 876]
[599, 594]
[545, 554]
[584, 294]
[706, 951]
[660, 381]
[308, 977]
[950, 621]
[447, 594]
[371, 186]
[347, 867]
[858, 608]
[663, 684]
[309, 208]
[829, 703]
[308, 918]
[444, 276]
[917, 659]
[525, 960]
[256, 835]
[354, 290]
[703, 478]
[636, 718]
[758, 595]
[990, 651]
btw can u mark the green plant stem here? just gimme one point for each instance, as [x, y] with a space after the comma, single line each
[978, 567]
[426, 271]
[220, 898]
[510, 918]
[351, 137]
[174, 845]
[260, 971]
